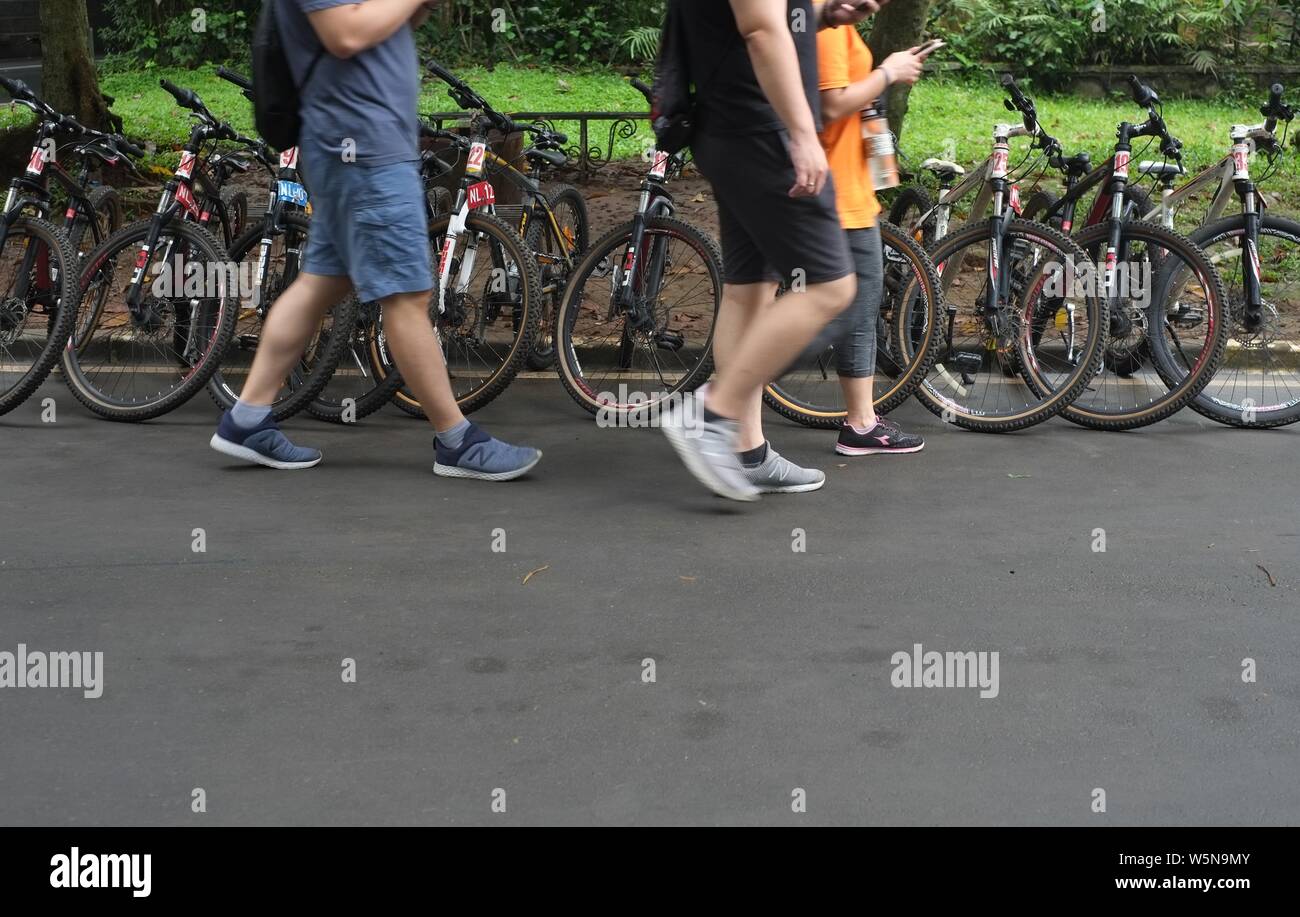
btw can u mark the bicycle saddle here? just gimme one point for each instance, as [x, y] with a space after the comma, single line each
[552, 157]
[942, 167]
[1147, 167]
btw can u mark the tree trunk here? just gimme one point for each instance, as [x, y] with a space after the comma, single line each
[68, 80]
[897, 27]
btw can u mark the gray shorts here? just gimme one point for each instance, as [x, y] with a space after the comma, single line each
[368, 223]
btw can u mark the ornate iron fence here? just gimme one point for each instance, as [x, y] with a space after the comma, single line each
[588, 158]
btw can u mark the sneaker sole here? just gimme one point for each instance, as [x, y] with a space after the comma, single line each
[234, 450]
[876, 450]
[700, 469]
[794, 488]
[452, 471]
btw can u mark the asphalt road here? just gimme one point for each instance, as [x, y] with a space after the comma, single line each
[222, 670]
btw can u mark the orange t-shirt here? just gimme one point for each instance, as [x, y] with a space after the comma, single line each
[843, 58]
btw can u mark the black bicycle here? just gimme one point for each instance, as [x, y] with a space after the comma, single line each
[39, 261]
[635, 324]
[157, 302]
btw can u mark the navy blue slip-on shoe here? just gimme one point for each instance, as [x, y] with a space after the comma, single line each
[483, 458]
[264, 444]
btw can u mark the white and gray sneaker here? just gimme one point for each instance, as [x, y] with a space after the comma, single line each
[778, 475]
[708, 449]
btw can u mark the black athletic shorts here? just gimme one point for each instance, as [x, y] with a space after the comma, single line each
[766, 234]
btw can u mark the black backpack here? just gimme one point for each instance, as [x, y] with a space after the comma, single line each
[674, 114]
[276, 100]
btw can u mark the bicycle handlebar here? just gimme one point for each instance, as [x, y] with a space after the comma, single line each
[1275, 109]
[238, 79]
[1143, 95]
[186, 98]
[644, 90]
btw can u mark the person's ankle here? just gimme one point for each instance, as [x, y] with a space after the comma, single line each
[859, 424]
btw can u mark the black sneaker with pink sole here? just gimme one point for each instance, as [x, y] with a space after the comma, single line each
[885, 438]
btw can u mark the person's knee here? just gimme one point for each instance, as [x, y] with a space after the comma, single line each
[403, 302]
[836, 296]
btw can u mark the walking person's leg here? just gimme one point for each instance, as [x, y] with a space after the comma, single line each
[862, 432]
[747, 310]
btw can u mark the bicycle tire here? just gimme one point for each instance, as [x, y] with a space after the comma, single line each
[327, 359]
[105, 202]
[1057, 398]
[612, 245]
[530, 282]
[1239, 414]
[196, 378]
[542, 355]
[366, 327]
[903, 385]
[1181, 391]
[57, 329]
[913, 199]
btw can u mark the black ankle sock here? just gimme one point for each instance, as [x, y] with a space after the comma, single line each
[753, 456]
[713, 416]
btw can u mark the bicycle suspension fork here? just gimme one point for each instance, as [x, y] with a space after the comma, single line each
[1251, 216]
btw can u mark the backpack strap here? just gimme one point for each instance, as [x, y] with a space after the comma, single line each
[311, 69]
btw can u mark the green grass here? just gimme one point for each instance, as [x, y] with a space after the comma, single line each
[953, 112]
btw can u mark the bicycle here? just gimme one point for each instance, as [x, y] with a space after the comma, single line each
[142, 348]
[554, 222]
[38, 263]
[1152, 278]
[907, 341]
[1258, 383]
[998, 369]
[641, 306]
[484, 310]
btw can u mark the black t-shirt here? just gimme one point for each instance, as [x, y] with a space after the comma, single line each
[728, 96]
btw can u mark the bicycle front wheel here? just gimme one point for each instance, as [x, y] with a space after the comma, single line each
[618, 362]
[907, 343]
[1168, 327]
[490, 312]
[136, 362]
[38, 293]
[1258, 382]
[1009, 361]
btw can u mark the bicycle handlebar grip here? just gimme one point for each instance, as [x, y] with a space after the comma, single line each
[185, 97]
[238, 79]
[1142, 94]
[16, 88]
[126, 146]
[643, 89]
[443, 73]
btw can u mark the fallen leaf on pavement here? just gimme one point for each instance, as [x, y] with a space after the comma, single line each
[532, 573]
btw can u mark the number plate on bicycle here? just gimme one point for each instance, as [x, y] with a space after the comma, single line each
[292, 193]
[660, 167]
[477, 152]
[481, 194]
